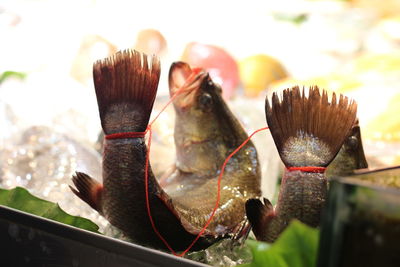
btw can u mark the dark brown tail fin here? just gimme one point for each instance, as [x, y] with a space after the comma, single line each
[126, 86]
[259, 215]
[309, 131]
[88, 189]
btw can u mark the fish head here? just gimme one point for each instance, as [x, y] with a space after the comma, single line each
[351, 155]
[202, 122]
[195, 90]
[354, 148]
[198, 102]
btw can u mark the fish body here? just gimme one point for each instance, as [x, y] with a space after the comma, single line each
[308, 133]
[126, 86]
[206, 132]
[302, 196]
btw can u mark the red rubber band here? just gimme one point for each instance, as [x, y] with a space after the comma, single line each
[126, 135]
[313, 169]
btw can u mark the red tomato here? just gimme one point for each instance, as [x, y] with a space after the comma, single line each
[222, 67]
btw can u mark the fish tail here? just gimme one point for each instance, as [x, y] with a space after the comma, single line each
[126, 87]
[87, 189]
[309, 130]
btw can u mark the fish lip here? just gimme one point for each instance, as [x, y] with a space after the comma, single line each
[188, 81]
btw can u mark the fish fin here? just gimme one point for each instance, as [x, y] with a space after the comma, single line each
[309, 130]
[242, 231]
[126, 87]
[356, 132]
[167, 201]
[259, 215]
[88, 189]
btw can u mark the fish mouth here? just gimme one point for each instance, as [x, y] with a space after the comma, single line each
[184, 83]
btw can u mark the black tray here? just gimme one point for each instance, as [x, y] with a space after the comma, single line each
[29, 240]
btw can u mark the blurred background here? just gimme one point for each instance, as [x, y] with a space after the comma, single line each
[49, 123]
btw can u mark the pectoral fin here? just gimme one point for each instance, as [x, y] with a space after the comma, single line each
[259, 215]
[88, 189]
[186, 224]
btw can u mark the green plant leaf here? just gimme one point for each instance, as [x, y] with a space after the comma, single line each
[7, 74]
[20, 199]
[296, 247]
[296, 19]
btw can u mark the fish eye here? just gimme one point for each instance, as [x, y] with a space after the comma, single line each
[353, 142]
[205, 101]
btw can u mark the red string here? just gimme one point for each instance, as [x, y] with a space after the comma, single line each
[146, 182]
[146, 172]
[126, 135]
[219, 190]
[313, 169]
[195, 71]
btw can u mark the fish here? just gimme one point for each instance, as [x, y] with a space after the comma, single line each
[206, 132]
[126, 86]
[308, 131]
[351, 156]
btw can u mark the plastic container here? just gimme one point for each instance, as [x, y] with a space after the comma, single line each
[361, 223]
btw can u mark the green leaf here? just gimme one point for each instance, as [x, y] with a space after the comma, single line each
[296, 247]
[20, 199]
[7, 74]
[296, 19]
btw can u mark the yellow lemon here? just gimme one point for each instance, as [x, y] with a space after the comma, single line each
[258, 71]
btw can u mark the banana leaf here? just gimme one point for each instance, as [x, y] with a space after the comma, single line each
[20, 199]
